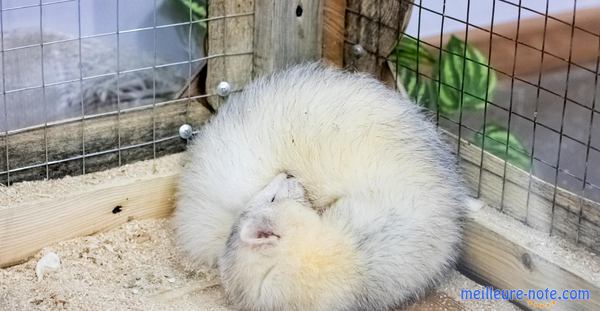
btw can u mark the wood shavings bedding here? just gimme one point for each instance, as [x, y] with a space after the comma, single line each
[138, 267]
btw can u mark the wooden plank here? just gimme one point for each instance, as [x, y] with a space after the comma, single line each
[286, 33]
[64, 140]
[28, 228]
[536, 208]
[530, 37]
[376, 26]
[230, 45]
[502, 259]
[334, 13]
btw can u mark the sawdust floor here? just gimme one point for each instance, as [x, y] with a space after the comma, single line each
[137, 267]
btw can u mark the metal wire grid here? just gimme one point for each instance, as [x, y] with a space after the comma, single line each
[83, 118]
[418, 8]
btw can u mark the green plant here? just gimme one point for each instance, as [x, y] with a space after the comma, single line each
[495, 143]
[471, 81]
[410, 57]
[458, 79]
[197, 10]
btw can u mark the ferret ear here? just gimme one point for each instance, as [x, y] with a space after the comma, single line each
[257, 233]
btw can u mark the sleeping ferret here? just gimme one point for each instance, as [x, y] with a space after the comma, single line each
[369, 220]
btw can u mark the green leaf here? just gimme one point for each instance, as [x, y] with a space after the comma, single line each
[453, 63]
[406, 55]
[409, 52]
[419, 90]
[198, 11]
[495, 143]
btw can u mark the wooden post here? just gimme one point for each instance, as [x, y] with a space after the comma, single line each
[376, 25]
[230, 28]
[285, 33]
[334, 16]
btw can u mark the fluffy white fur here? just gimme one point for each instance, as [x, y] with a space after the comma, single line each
[282, 255]
[366, 157]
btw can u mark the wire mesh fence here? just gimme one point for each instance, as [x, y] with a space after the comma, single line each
[88, 84]
[519, 80]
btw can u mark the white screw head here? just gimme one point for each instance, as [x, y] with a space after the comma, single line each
[223, 89]
[358, 50]
[186, 131]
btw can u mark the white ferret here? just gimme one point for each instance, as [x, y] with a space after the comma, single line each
[370, 219]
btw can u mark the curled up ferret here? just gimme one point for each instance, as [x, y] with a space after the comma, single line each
[316, 189]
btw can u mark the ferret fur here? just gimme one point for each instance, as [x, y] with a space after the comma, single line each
[390, 197]
[281, 255]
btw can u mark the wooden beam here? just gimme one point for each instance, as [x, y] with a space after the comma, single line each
[230, 46]
[27, 228]
[334, 13]
[527, 54]
[532, 204]
[503, 258]
[98, 136]
[286, 33]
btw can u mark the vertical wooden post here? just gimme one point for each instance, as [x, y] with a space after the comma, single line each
[334, 16]
[376, 25]
[285, 33]
[230, 39]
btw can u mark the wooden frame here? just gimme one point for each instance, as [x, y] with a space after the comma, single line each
[27, 228]
[496, 256]
[142, 131]
[532, 204]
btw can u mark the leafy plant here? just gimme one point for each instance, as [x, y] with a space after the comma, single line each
[496, 138]
[408, 53]
[197, 9]
[408, 56]
[463, 73]
[459, 78]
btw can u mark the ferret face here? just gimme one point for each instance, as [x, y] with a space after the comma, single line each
[279, 211]
[266, 230]
[281, 257]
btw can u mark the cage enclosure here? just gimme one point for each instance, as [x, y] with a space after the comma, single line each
[100, 97]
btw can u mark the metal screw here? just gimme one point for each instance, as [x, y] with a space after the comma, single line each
[224, 88]
[186, 131]
[358, 50]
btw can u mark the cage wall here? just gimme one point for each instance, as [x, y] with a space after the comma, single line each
[86, 89]
[88, 84]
